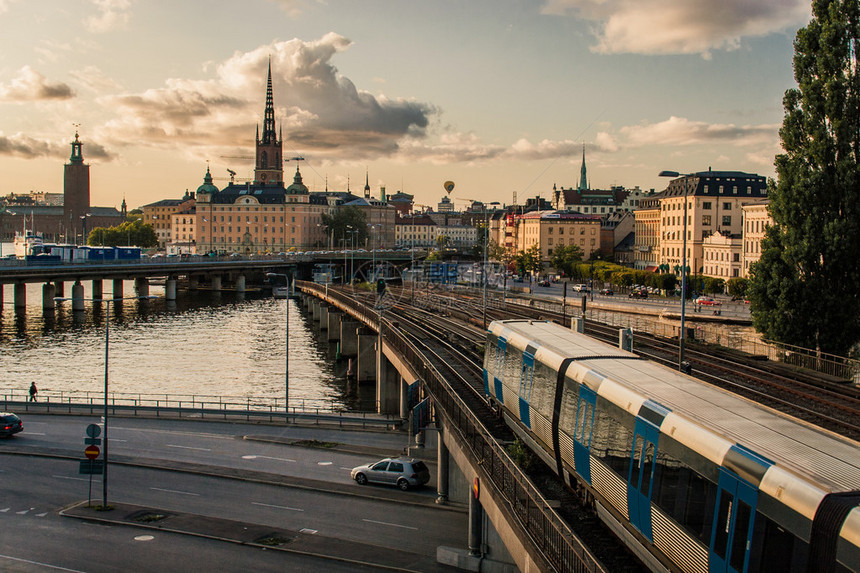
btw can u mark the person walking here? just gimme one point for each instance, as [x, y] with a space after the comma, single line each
[33, 391]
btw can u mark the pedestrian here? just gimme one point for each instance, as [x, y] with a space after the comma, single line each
[33, 391]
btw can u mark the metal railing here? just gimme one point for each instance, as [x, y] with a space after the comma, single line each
[547, 532]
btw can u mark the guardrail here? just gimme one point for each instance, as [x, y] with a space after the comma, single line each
[542, 525]
[191, 406]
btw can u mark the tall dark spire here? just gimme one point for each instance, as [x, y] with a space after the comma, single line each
[269, 135]
[366, 185]
[583, 180]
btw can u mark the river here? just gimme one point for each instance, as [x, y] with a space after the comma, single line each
[203, 344]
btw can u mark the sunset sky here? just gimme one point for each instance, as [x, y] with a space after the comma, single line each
[498, 96]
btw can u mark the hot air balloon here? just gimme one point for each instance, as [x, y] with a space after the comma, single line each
[449, 186]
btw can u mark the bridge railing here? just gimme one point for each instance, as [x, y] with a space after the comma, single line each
[546, 530]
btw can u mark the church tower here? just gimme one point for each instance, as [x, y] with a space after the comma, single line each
[367, 186]
[269, 168]
[583, 181]
[76, 191]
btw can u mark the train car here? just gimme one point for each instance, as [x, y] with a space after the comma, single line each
[101, 254]
[128, 253]
[693, 478]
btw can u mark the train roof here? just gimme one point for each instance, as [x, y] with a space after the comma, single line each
[828, 459]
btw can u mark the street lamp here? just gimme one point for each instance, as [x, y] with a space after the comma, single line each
[681, 365]
[287, 352]
[486, 242]
[107, 302]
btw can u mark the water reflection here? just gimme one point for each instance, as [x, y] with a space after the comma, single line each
[201, 344]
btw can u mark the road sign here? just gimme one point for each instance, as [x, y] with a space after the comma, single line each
[91, 467]
[94, 430]
[93, 441]
[92, 452]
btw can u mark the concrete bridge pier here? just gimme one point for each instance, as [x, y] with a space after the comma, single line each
[334, 319]
[77, 296]
[59, 288]
[117, 288]
[141, 286]
[387, 385]
[348, 336]
[170, 288]
[216, 283]
[441, 470]
[20, 300]
[365, 365]
[193, 283]
[315, 310]
[48, 302]
[324, 310]
[240, 284]
[98, 289]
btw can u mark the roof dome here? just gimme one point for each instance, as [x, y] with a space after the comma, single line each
[207, 186]
[297, 188]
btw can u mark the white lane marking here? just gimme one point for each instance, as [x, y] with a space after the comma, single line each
[36, 434]
[116, 440]
[5, 509]
[71, 478]
[267, 458]
[324, 463]
[391, 524]
[39, 563]
[175, 491]
[189, 448]
[41, 514]
[347, 469]
[144, 538]
[25, 512]
[175, 433]
[308, 531]
[277, 506]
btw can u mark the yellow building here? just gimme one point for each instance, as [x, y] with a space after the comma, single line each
[756, 219]
[159, 215]
[553, 229]
[646, 251]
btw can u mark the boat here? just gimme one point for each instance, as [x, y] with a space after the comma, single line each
[280, 291]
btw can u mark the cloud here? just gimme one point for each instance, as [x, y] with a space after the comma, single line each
[95, 80]
[112, 14]
[681, 131]
[673, 27]
[320, 110]
[25, 147]
[30, 85]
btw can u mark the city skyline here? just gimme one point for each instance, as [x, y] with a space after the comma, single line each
[499, 97]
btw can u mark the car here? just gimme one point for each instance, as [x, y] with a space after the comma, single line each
[606, 291]
[544, 283]
[402, 472]
[707, 301]
[10, 424]
[641, 293]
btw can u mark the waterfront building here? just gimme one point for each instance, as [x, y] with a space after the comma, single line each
[722, 255]
[160, 213]
[261, 215]
[554, 228]
[65, 221]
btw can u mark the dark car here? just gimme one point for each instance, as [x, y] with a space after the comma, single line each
[641, 293]
[10, 424]
[606, 292]
[404, 473]
[544, 283]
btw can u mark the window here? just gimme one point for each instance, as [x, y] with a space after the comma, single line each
[706, 205]
[706, 219]
[727, 220]
[727, 206]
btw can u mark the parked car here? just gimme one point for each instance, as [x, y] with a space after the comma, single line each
[707, 301]
[641, 293]
[402, 472]
[544, 283]
[10, 424]
[606, 291]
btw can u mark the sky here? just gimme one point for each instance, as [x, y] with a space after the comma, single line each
[498, 96]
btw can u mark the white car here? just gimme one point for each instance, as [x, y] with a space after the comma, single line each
[402, 472]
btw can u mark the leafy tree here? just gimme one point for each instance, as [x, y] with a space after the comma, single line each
[714, 285]
[347, 224]
[134, 215]
[496, 252]
[565, 257]
[666, 282]
[804, 287]
[737, 287]
[128, 233]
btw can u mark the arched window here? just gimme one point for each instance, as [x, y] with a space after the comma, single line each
[264, 160]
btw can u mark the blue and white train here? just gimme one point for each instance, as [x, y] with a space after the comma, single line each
[691, 477]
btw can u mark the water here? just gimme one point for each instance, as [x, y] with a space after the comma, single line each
[203, 344]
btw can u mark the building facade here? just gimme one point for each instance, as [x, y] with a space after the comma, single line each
[756, 220]
[160, 213]
[552, 229]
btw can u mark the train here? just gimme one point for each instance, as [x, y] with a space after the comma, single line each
[49, 253]
[691, 477]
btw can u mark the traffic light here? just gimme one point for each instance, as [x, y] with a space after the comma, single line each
[380, 287]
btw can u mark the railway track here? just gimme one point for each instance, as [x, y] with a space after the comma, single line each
[817, 400]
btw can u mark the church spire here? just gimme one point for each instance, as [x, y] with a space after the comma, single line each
[269, 135]
[583, 179]
[366, 185]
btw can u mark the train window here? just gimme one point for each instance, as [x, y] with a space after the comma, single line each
[612, 441]
[648, 468]
[543, 389]
[739, 540]
[635, 460]
[527, 377]
[774, 549]
[724, 520]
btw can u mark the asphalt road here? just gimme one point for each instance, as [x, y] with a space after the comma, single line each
[36, 488]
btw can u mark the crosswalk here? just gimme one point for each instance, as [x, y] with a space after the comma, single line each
[31, 511]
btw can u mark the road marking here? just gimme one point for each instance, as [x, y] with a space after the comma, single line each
[116, 440]
[277, 506]
[39, 563]
[174, 432]
[189, 448]
[347, 469]
[175, 491]
[25, 512]
[36, 434]
[71, 478]
[391, 524]
[324, 463]
[5, 510]
[308, 531]
[144, 538]
[267, 458]
[41, 514]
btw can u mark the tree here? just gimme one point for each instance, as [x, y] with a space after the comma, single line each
[565, 257]
[737, 287]
[804, 288]
[532, 260]
[128, 233]
[347, 224]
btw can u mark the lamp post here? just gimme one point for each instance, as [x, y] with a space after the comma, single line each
[287, 352]
[107, 302]
[681, 366]
[486, 244]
